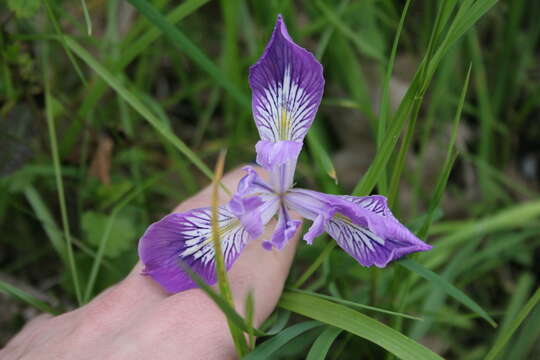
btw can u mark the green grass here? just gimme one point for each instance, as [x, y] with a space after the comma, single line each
[166, 88]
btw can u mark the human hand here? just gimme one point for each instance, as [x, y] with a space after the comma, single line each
[137, 319]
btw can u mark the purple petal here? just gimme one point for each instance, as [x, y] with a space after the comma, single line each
[317, 228]
[279, 158]
[287, 84]
[252, 183]
[273, 154]
[248, 212]
[284, 231]
[186, 238]
[363, 226]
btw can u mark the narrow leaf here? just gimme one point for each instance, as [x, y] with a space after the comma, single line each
[138, 106]
[320, 347]
[183, 43]
[270, 346]
[87, 18]
[450, 289]
[355, 304]
[358, 324]
[501, 342]
[19, 294]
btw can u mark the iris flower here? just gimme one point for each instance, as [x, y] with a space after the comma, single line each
[287, 86]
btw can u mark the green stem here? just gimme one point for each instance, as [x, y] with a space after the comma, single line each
[59, 183]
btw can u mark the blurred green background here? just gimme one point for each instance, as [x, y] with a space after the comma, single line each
[112, 112]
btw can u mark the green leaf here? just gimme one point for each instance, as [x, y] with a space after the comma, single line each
[451, 156]
[358, 324]
[270, 346]
[315, 264]
[130, 49]
[503, 339]
[320, 347]
[121, 234]
[278, 322]
[355, 304]
[19, 294]
[435, 299]
[51, 125]
[364, 44]
[54, 233]
[221, 302]
[519, 296]
[447, 287]
[87, 18]
[465, 18]
[384, 107]
[510, 218]
[138, 105]
[239, 339]
[320, 154]
[183, 43]
[24, 8]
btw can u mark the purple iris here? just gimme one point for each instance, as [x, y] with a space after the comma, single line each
[287, 84]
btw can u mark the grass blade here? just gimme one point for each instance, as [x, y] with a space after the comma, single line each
[503, 339]
[465, 18]
[519, 296]
[451, 156]
[87, 18]
[47, 221]
[62, 39]
[320, 154]
[138, 106]
[183, 43]
[231, 314]
[507, 219]
[316, 263]
[60, 186]
[23, 296]
[450, 289]
[131, 49]
[362, 44]
[358, 324]
[250, 312]
[221, 271]
[355, 304]
[322, 345]
[270, 346]
[436, 297]
[384, 108]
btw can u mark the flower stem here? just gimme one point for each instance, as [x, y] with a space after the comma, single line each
[221, 271]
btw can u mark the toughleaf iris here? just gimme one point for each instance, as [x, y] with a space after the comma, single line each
[287, 85]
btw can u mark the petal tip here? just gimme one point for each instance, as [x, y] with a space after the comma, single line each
[284, 70]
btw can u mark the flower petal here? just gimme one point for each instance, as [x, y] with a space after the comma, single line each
[272, 154]
[279, 158]
[284, 230]
[287, 85]
[252, 184]
[186, 238]
[363, 226]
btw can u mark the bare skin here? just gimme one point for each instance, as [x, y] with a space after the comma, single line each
[136, 319]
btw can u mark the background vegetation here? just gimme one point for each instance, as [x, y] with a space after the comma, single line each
[111, 112]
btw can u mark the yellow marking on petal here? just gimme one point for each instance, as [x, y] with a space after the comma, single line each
[349, 222]
[284, 124]
[223, 230]
[343, 218]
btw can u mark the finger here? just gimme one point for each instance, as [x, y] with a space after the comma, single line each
[194, 315]
[263, 273]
